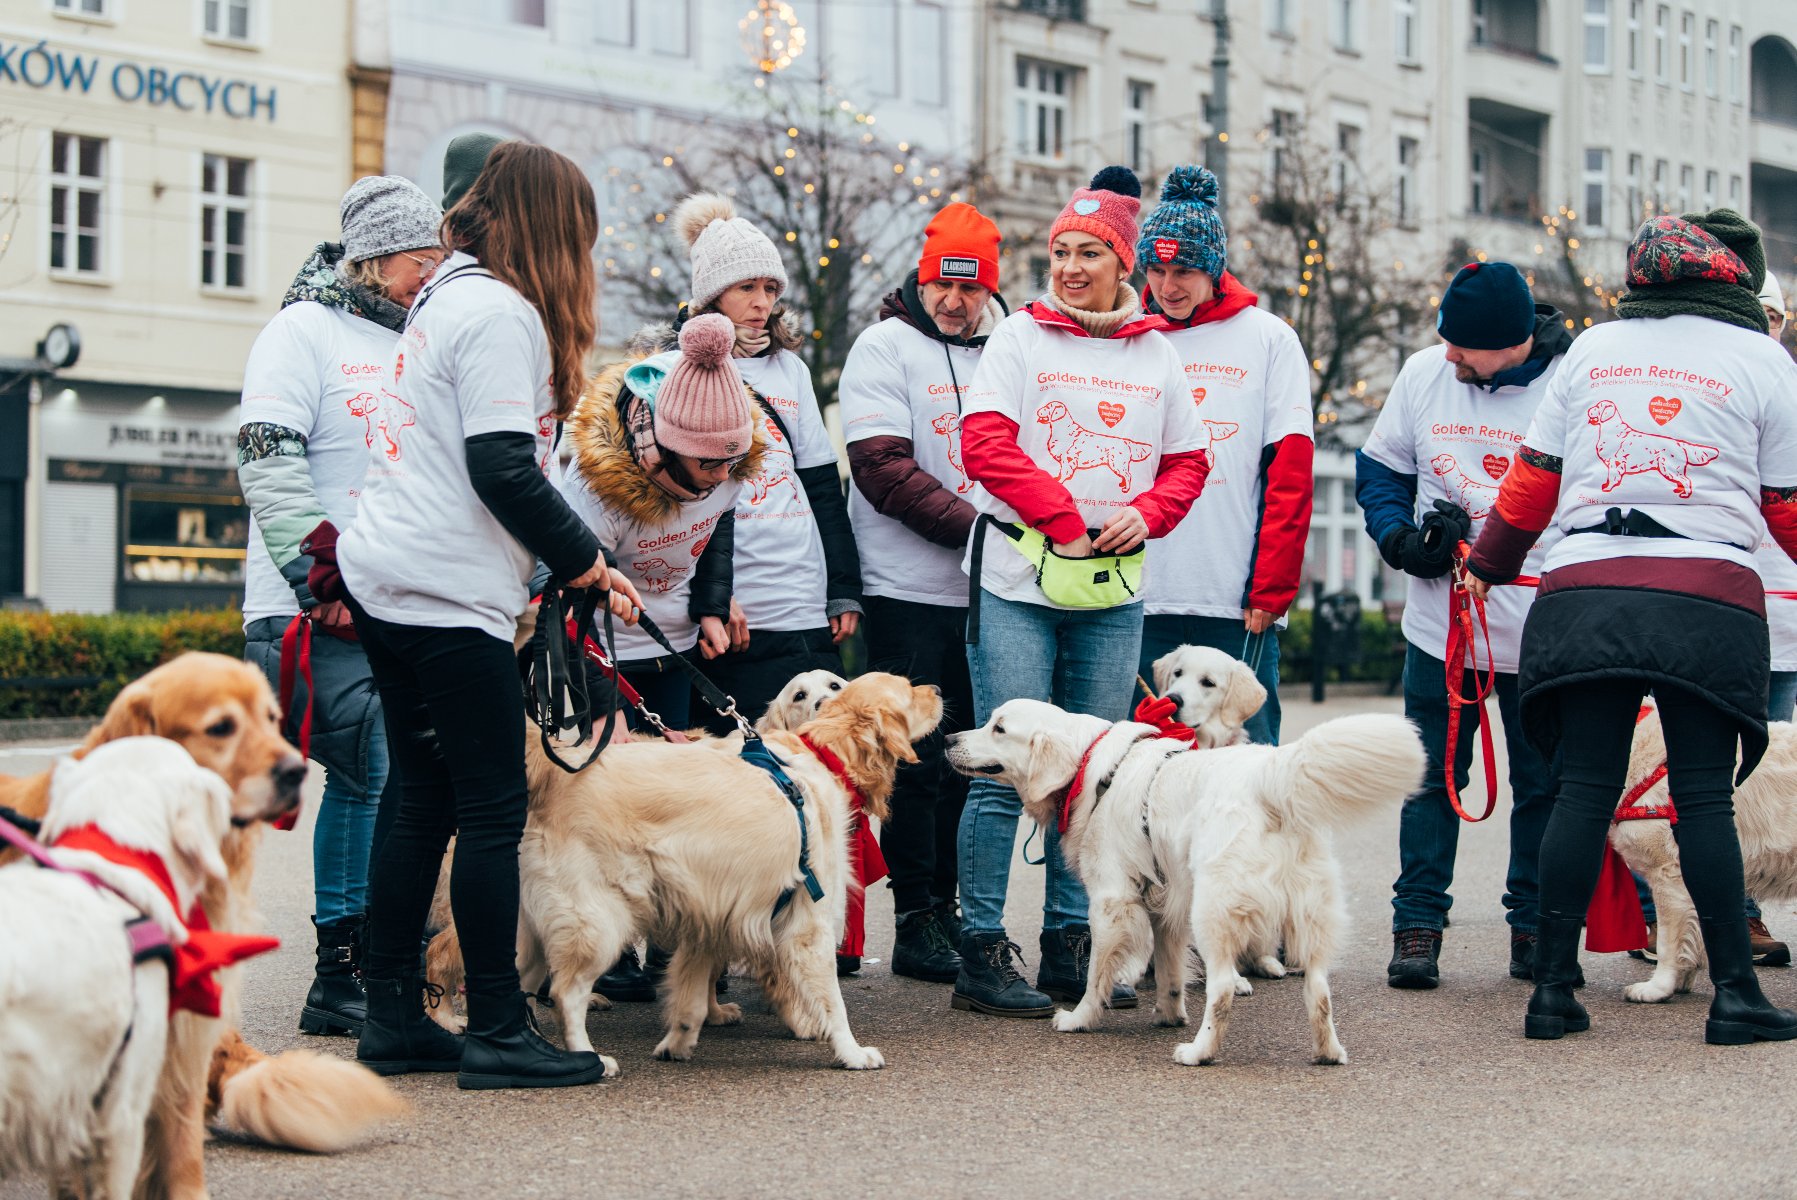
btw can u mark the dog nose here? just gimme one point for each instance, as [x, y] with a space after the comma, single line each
[290, 773]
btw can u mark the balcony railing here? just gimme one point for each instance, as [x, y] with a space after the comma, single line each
[1526, 53]
[1786, 119]
[1055, 10]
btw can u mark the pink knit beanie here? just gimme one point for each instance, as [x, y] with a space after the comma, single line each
[702, 408]
[1107, 209]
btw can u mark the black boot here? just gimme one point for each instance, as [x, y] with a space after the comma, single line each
[1522, 958]
[335, 1004]
[627, 981]
[923, 949]
[504, 1050]
[949, 913]
[1553, 1011]
[1066, 953]
[990, 983]
[397, 1037]
[1740, 1013]
[1414, 955]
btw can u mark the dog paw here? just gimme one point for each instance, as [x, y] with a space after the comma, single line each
[1645, 993]
[612, 1070]
[1333, 1056]
[1068, 1021]
[667, 1051]
[1243, 987]
[597, 1003]
[1169, 1020]
[1268, 967]
[862, 1058]
[1191, 1054]
[725, 1014]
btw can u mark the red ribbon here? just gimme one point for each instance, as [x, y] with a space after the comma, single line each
[296, 663]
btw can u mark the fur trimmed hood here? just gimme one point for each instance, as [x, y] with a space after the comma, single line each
[602, 453]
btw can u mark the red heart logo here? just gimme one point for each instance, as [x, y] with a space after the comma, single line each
[1110, 413]
[1198, 395]
[1166, 249]
[1496, 465]
[1664, 408]
[699, 546]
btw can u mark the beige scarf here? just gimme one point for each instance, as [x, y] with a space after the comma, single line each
[1101, 324]
[751, 341]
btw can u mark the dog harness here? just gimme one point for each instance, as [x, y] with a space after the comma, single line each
[756, 753]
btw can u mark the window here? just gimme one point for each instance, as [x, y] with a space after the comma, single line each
[1687, 184]
[1346, 169]
[1597, 36]
[882, 52]
[1734, 63]
[1734, 192]
[1279, 17]
[1481, 23]
[1661, 168]
[1712, 67]
[1404, 31]
[1635, 198]
[1138, 105]
[1687, 34]
[1637, 10]
[1662, 52]
[1344, 25]
[77, 203]
[228, 19]
[1477, 189]
[1597, 186]
[1712, 187]
[1044, 91]
[1404, 189]
[515, 12]
[224, 222]
[84, 8]
[1282, 127]
[668, 21]
[614, 22]
[928, 29]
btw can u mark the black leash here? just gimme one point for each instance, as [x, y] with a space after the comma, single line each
[551, 666]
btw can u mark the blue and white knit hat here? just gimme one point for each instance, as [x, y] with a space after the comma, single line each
[1186, 230]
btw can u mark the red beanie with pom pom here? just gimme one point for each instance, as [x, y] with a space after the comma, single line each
[702, 408]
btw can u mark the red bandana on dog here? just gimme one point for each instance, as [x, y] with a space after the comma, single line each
[194, 987]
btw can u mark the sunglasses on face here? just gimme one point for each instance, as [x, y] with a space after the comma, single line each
[712, 464]
[426, 266]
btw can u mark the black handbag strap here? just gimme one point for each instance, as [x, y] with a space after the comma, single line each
[977, 563]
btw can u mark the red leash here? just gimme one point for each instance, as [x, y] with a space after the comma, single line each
[634, 698]
[1466, 620]
[296, 663]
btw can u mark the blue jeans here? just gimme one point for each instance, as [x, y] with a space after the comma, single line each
[1429, 832]
[1161, 635]
[343, 836]
[1083, 661]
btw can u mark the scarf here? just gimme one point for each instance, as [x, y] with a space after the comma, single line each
[321, 280]
[752, 342]
[1702, 264]
[1101, 324]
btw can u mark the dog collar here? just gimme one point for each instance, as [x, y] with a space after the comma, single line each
[836, 767]
[1079, 776]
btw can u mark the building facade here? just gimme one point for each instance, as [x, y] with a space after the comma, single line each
[164, 170]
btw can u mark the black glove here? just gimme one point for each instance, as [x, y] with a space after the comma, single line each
[1445, 528]
[1404, 550]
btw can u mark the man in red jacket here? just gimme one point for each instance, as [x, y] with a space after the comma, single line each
[1225, 577]
[901, 392]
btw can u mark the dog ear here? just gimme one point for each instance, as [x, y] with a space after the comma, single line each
[1243, 697]
[130, 714]
[1052, 765]
[1163, 667]
[198, 824]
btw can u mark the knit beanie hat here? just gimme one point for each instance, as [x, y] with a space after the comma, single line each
[702, 409]
[1771, 295]
[1701, 264]
[1487, 306]
[726, 249]
[383, 214]
[960, 242]
[1186, 230]
[1106, 209]
[462, 164]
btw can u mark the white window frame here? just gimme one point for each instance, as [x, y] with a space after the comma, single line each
[1043, 116]
[670, 28]
[222, 203]
[1662, 43]
[1712, 58]
[1283, 125]
[614, 23]
[1637, 44]
[883, 54]
[1594, 197]
[1344, 25]
[1736, 193]
[1406, 32]
[104, 11]
[1344, 167]
[1687, 50]
[1279, 18]
[74, 184]
[252, 24]
[1406, 202]
[1636, 200]
[1735, 37]
[1481, 24]
[1478, 179]
[1597, 33]
[1662, 179]
[1138, 125]
[928, 81]
[1712, 187]
[1687, 185]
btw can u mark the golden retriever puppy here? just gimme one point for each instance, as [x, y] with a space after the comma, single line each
[1215, 691]
[699, 849]
[803, 697]
[84, 1028]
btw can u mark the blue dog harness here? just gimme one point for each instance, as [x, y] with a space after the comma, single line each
[756, 752]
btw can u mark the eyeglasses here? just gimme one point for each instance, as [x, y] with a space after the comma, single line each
[426, 266]
[712, 464]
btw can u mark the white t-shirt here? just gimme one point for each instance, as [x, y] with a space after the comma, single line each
[658, 559]
[1779, 574]
[423, 549]
[1681, 418]
[1251, 386]
[316, 370]
[1458, 440]
[898, 382]
[1095, 413]
[781, 582]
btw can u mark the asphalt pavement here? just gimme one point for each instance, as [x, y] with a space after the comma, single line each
[1442, 1095]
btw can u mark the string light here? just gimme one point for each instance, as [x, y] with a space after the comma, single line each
[773, 37]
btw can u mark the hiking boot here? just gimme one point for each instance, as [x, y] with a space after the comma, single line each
[1414, 953]
[335, 1004]
[1740, 1012]
[923, 949]
[626, 981]
[990, 983]
[1553, 1012]
[1768, 951]
[1650, 952]
[1522, 958]
[504, 1050]
[397, 1037]
[949, 913]
[1066, 954]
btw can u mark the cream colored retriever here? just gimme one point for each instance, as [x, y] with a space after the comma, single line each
[1216, 693]
[83, 1031]
[1228, 849]
[1765, 820]
[696, 848]
[803, 697]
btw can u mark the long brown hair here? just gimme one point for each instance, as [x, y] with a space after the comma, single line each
[531, 219]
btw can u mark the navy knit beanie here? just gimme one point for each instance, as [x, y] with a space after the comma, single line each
[1186, 230]
[1487, 307]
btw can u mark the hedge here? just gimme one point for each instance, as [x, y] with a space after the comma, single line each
[1381, 650]
[113, 649]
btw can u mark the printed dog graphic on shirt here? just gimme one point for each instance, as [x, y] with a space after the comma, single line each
[386, 415]
[1221, 431]
[1625, 450]
[773, 474]
[1476, 496]
[1076, 448]
[948, 425]
[658, 574]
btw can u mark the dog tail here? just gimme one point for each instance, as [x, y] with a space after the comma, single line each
[1348, 769]
[302, 1100]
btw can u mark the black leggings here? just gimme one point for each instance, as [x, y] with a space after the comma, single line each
[455, 729]
[1597, 722]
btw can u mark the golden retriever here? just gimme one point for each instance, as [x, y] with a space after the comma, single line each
[803, 697]
[696, 848]
[1215, 693]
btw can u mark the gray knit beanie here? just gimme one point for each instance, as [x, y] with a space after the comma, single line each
[726, 249]
[383, 214]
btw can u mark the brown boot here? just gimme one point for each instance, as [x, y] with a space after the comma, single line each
[1768, 951]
